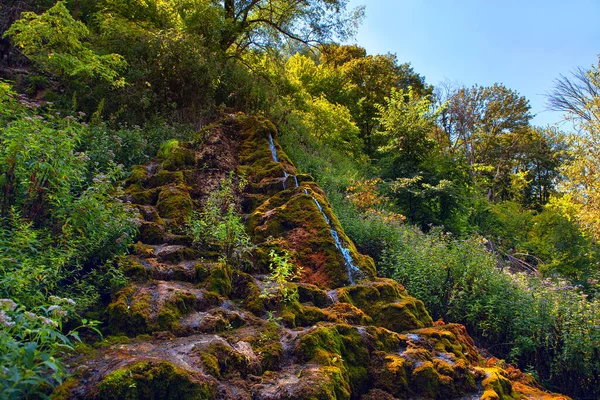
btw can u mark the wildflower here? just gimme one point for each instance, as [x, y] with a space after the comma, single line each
[7, 304]
[5, 320]
[47, 321]
[57, 311]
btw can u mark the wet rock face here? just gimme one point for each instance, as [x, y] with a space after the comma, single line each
[190, 327]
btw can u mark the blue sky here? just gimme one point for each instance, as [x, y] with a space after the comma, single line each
[523, 44]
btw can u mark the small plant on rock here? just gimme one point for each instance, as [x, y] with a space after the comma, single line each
[218, 225]
[283, 271]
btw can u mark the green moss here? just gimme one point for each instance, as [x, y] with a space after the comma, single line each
[229, 359]
[294, 314]
[138, 195]
[404, 315]
[112, 340]
[174, 203]
[162, 178]
[128, 313]
[496, 383]
[211, 364]
[132, 269]
[219, 280]
[339, 346]
[65, 390]
[312, 294]
[146, 380]
[178, 158]
[201, 272]
[137, 176]
[389, 373]
[368, 296]
[151, 233]
[425, 381]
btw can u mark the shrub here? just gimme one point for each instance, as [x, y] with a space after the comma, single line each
[283, 271]
[219, 225]
[31, 344]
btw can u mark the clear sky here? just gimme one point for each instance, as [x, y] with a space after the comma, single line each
[523, 44]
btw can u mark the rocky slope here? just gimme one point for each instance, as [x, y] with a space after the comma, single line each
[190, 327]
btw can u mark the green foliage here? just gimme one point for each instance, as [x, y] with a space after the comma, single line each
[529, 320]
[218, 224]
[283, 271]
[31, 344]
[54, 40]
[59, 214]
[407, 121]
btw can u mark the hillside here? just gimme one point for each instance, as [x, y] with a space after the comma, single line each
[190, 326]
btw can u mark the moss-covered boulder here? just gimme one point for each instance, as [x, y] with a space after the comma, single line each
[174, 203]
[156, 306]
[150, 380]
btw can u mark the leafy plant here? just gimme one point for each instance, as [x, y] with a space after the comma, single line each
[219, 225]
[283, 271]
[55, 41]
[31, 344]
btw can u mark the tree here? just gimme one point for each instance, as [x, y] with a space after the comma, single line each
[264, 23]
[55, 41]
[367, 81]
[486, 125]
[579, 97]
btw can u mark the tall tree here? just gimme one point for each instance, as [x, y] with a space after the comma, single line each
[369, 79]
[264, 23]
[487, 125]
[579, 97]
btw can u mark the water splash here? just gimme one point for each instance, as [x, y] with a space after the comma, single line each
[296, 180]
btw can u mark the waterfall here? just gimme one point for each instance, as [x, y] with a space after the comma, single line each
[351, 269]
[273, 149]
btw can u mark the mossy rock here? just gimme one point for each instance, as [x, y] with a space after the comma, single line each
[150, 214]
[300, 224]
[339, 346]
[293, 314]
[389, 372]
[368, 296]
[174, 203]
[136, 194]
[155, 380]
[497, 386]
[425, 381]
[219, 280]
[137, 176]
[244, 288]
[128, 313]
[404, 315]
[312, 294]
[453, 339]
[229, 360]
[349, 314]
[132, 269]
[65, 390]
[211, 364]
[163, 178]
[179, 158]
[151, 233]
[157, 306]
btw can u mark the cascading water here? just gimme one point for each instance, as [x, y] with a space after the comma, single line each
[351, 269]
[273, 149]
[274, 154]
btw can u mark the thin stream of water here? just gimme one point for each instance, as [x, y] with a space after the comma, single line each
[351, 269]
